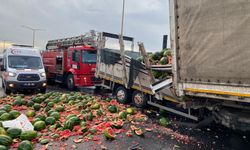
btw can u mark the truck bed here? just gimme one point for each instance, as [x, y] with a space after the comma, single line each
[109, 67]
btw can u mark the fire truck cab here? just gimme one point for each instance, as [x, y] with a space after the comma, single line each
[71, 61]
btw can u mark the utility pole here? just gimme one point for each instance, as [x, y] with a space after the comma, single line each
[122, 47]
[33, 32]
[122, 25]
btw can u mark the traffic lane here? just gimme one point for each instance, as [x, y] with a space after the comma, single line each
[153, 140]
[213, 136]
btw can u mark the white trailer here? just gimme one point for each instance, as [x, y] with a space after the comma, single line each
[211, 41]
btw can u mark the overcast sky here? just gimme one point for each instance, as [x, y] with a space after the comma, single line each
[146, 20]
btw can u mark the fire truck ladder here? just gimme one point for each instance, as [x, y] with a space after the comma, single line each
[64, 43]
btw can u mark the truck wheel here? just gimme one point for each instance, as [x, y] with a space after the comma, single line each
[121, 95]
[139, 99]
[70, 82]
[2, 84]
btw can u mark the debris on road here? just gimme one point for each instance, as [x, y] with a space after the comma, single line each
[57, 116]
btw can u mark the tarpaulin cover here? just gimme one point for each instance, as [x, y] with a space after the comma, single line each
[214, 40]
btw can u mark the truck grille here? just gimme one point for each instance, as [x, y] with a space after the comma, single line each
[28, 77]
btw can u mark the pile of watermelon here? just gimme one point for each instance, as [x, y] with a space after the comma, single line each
[57, 116]
[159, 58]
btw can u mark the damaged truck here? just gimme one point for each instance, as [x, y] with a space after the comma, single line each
[210, 77]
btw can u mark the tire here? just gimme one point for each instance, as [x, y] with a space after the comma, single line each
[122, 95]
[70, 82]
[139, 99]
[43, 91]
[2, 83]
[6, 90]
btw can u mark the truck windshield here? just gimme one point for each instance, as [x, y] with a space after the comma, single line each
[89, 57]
[25, 62]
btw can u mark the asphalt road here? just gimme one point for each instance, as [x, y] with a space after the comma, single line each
[175, 136]
[213, 136]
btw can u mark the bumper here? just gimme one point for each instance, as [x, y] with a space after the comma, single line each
[86, 80]
[25, 85]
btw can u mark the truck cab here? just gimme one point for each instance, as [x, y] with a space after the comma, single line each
[72, 61]
[23, 69]
[82, 64]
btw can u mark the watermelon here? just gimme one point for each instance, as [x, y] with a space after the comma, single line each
[117, 124]
[14, 114]
[138, 132]
[109, 133]
[28, 135]
[37, 100]
[23, 102]
[39, 125]
[36, 107]
[50, 120]
[164, 121]
[2, 147]
[163, 61]
[44, 141]
[25, 145]
[42, 117]
[156, 56]
[5, 140]
[5, 116]
[123, 115]
[84, 129]
[51, 104]
[130, 111]
[100, 112]
[55, 136]
[35, 120]
[56, 100]
[167, 53]
[30, 103]
[70, 116]
[7, 108]
[89, 117]
[47, 109]
[60, 108]
[2, 131]
[56, 115]
[17, 103]
[75, 120]
[83, 123]
[68, 125]
[93, 130]
[14, 132]
[112, 109]
[51, 111]
[2, 112]
[95, 106]
[30, 113]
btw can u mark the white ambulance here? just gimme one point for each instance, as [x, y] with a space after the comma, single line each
[23, 70]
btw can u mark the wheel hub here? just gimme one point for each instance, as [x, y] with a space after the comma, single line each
[121, 95]
[139, 98]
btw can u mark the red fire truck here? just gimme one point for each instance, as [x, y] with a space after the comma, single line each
[72, 61]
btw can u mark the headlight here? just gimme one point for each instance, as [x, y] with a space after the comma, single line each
[12, 74]
[43, 74]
